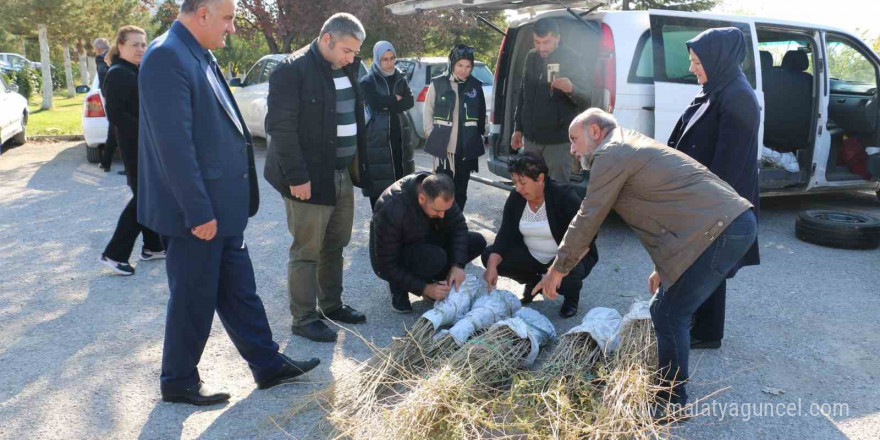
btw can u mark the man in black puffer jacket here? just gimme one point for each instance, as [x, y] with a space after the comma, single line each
[419, 241]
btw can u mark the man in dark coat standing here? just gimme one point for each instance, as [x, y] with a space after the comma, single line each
[720, 130]
[197, 187]
[316, 121]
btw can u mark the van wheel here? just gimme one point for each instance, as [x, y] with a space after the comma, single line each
[839, 229]
[93, 154]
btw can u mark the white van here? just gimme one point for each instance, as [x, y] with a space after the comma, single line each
[817, 85]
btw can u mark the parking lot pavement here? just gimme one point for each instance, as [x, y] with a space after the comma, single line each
[80, 348]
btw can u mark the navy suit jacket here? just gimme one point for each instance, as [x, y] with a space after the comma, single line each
[196, 159]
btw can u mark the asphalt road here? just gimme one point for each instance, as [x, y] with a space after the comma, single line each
[80, 348]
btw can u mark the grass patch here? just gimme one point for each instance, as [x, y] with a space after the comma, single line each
[65, 118]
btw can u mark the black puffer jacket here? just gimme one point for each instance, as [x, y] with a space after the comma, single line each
[389, 154]
[398, 221]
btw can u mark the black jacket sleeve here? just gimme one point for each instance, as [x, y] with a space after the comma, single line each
[382, 102]
[508, 233]
[282, 121]
[407, 102]
[388, 236]
[458, 236]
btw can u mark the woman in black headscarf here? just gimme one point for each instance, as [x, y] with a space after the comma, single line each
[389, 154]
[720, 130]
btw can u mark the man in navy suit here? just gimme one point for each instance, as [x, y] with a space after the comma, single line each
[198, 186]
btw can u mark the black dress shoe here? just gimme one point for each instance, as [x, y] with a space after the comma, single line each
[527, 297]
[196, 395]
[289, 371]
[347, 315]
[315, 330]
[699, 344]
[569, 308]
[121, 173]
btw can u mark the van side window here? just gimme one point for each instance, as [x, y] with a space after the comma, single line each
[850, 70]
[673, 61]
[642, 69]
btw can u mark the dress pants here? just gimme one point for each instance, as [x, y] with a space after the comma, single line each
[127, 230]
[208, 276]
[109, 147]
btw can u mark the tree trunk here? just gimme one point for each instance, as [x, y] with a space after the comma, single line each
[47, 73]
[93, 68]
[625, 6]
[84, 68]
[68, 71]
[23, 48]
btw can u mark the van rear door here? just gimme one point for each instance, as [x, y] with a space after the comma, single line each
[674, 85]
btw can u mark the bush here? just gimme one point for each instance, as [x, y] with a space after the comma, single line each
[27, 80]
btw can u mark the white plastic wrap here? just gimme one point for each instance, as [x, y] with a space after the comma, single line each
[487, 310]
[639, 310]
[786, 161]
[602, 324]
[531, 324]
[456, 305]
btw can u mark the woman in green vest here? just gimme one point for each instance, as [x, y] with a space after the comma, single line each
[455, 120]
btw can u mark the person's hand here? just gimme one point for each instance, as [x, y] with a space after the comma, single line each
[398, 97]
[437, 291]
[456, 277]
[549, 284]
[516, 141]
[206, 231]
[654, 282]
[491, 277]
[563, 84]
[302, 192]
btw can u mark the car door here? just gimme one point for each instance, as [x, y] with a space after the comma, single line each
[260, 99]
[5, 111]
[674, 85]
[244, 94]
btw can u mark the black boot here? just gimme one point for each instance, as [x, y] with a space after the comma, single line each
[400, 300]
[569, 305]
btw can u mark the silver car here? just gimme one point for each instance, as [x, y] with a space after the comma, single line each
[419, 72]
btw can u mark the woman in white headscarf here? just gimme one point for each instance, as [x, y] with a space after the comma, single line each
[389, 153]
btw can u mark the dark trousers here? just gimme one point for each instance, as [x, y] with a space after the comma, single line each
[673, 306]
[127, 231]
[109, 147]
[708, 321]
[519, 265]
[205, 276]
[430, 261]
[373, 201]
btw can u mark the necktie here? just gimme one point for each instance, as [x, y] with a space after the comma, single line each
[215, 78]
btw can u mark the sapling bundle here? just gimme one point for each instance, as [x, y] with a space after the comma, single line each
[487, 310]
[559, 401]
[629, 396]
[357, 395]
[452, 401]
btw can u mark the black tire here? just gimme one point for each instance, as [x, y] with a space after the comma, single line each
[839, 229]
[21, 138]
[93, 154]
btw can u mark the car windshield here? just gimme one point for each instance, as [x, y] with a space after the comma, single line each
[482, 73]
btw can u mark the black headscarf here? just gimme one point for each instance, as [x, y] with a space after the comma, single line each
[721, 51]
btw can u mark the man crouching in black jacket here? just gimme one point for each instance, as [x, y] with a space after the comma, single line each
[419, 241]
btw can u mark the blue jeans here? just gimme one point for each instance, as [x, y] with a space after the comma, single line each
[673, 306]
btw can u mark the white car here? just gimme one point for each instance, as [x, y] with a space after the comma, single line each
[419, 72]
[13, 114]
[251, 92]
[94, 122]
[817, 85]
[16, 62]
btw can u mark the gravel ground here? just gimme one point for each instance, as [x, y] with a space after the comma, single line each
[80, 348]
